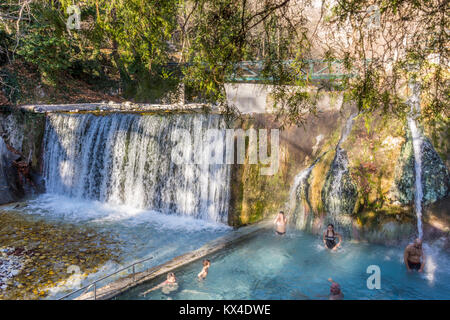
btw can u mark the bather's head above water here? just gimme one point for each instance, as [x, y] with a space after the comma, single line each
[206, 263]
[330, 227]
[335, 290]
[418, 243]
[171, 277]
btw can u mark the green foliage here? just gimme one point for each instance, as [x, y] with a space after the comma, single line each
[6, 41]
[133, 44]
[49, 53]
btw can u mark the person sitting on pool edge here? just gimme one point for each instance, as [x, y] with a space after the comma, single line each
[206, 264]
[413, 255]
[329, 238]
[169, 285]
[335, 291]
[280, 223]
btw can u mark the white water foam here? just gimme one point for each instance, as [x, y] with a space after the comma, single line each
[125, 160]
[94, 211]
[416, 135]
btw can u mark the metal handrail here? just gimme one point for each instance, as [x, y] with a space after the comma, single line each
[94, 283]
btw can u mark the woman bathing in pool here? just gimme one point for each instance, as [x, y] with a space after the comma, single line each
[206, 264]
[329, 238]
[280, 223]
[167, 286]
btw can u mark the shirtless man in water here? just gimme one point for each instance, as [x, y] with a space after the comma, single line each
[414, 256]
[280, 223]
[335, 291]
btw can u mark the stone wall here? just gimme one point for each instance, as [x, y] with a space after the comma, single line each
[21, 133]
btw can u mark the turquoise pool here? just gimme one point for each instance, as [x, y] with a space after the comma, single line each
[297, 267]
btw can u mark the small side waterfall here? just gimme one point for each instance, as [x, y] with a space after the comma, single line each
[335, 186]
[126, 159]
[297, 211]
[347, 129]
[417, 146]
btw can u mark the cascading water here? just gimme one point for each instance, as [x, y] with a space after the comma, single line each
[416, 135]
[125, 159]
[334, 195]
[347, 129]
[297, 210]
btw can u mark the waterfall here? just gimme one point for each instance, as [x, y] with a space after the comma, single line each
[416, 135]
[334, 199]
[297, 210]
[346, 130]
[125, 159]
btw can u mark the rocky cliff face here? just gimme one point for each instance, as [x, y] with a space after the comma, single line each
[9, 188]
[435, 174]
[375, 197]
[255, 196]
[21, 135]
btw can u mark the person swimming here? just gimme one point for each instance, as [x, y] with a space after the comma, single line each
[280, 223]
[206, 264]
[169, 285]
[335, 291]
[414, 257]
[329, 238]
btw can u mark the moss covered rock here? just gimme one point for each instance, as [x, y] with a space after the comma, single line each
[435, 175]
[402, 191]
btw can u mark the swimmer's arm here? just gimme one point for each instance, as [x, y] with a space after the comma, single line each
[323, 238]
[340, 241]
[155, 288]
[423, 262]
[405, 258]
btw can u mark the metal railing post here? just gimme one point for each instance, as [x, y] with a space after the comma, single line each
[86, 288]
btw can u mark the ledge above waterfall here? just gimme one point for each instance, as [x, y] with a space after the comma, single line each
[126, 107]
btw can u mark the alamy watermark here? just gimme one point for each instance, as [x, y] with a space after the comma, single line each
[374, 280]
[217, 146]
[74, 20]
[373, 19]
